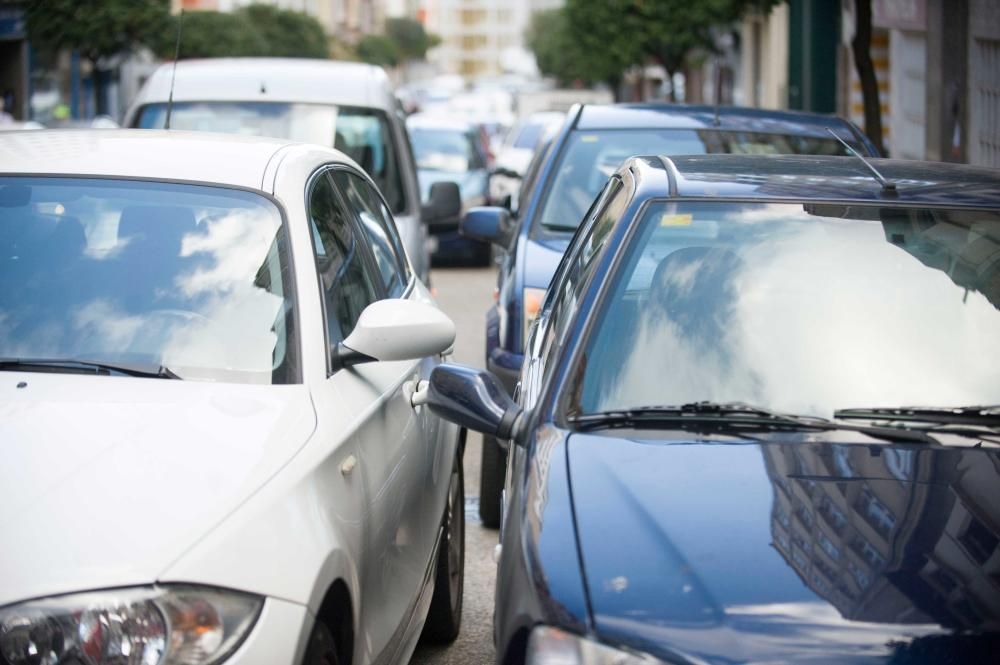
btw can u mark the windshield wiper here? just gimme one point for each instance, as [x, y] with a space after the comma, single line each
[708, 417]
[84, 366]
[988, 416]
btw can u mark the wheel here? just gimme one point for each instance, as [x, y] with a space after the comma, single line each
[322, 649]
[491, 477]
[444, 618]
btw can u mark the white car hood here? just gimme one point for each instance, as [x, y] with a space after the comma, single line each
[105, 481]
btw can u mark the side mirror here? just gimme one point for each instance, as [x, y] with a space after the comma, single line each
[395, 329]
[490, 224]
[474, 399]
[444, 204]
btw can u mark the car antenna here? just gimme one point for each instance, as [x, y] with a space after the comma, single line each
[888, 186]
[173, 73]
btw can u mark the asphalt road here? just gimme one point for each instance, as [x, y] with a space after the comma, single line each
[465, 295]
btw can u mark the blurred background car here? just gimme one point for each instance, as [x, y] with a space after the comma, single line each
[592, 143]
[349, 106]
[452, 150]
[517, 149]
[758, 420]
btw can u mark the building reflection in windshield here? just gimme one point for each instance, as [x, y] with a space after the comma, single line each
[891, 534]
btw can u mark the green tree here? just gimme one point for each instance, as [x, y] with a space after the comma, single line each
[411, 40]
[95, 28]
[378, 50]
[286, 32]
[208, 34]
[556, 50]
[606, 34]
[676, 29]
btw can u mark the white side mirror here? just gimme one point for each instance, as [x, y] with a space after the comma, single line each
[395, 329]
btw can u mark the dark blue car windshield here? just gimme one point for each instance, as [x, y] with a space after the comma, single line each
[590, 157]
[193, 278]
[801, 309]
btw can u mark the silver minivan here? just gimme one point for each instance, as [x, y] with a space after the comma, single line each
[346, 105]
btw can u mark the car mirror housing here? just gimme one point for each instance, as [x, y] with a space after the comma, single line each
[474, 399]
[395, 329]
[491, 224]
[444, 204]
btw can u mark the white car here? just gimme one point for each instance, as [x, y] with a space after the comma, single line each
[347, 105]
[212, 441]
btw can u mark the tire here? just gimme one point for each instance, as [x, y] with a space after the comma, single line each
[491, 477]
[322, 649]
[444, 618]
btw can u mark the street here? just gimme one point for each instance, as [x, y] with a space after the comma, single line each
[464, 294]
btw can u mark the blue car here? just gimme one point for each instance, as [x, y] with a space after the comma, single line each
[758, 421]
[564, 179]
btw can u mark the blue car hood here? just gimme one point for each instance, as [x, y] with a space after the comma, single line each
[541, 258]
[803, 552]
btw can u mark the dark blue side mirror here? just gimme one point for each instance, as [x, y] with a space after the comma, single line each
[491, 224]
[474, 399]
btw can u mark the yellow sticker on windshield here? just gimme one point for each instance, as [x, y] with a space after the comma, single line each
[589, 138]
[676, 220]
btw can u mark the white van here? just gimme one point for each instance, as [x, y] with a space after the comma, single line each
[346, 105]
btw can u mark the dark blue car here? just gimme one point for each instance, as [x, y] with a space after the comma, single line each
[563, 181]
[758, 421]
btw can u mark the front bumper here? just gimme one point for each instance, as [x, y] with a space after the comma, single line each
[280, 635]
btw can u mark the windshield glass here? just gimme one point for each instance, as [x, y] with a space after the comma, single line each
[193, 278]
[590, 157]
[800, 309]
[363, 134]
[444, 150]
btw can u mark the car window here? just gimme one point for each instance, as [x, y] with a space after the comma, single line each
[798, 308]
[345, 278]
[591, 156]
[378, 227]
[364, 134]
[193, 278]
[566, 293]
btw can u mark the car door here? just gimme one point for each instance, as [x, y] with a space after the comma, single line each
[392, 449]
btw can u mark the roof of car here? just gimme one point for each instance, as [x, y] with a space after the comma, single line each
[140, 153]
[685, 116]
[271, 80]
[806, 177]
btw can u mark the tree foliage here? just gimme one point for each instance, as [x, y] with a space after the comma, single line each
[411, 40]
[96, 28]
[378, 50]
[598, 41]
[255, 30]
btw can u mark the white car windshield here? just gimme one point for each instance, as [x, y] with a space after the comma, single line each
[363, 134]
[191, 278]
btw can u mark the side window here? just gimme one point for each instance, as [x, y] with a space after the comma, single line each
[378, 227]
[348, 287]
[586, 248]
[367, 138]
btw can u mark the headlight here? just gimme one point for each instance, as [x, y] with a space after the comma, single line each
[531, 304]
[550, 646]
[175, 625]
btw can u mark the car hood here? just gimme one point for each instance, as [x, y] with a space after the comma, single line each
[541, 258]
[105, 481]
[805, 552]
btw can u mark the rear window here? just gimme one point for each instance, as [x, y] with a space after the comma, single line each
[363, 134]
